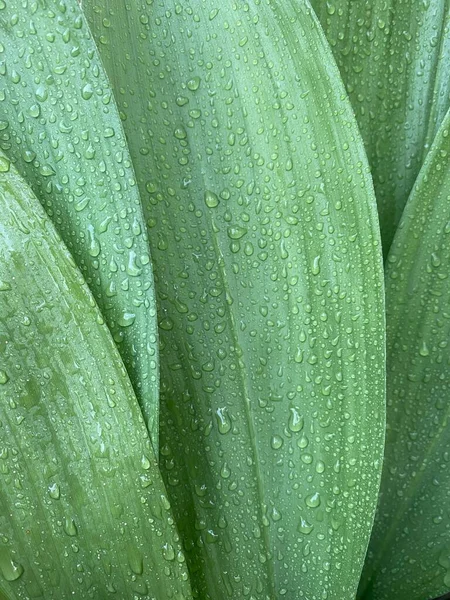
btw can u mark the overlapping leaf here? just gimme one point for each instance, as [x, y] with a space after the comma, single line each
[268, 271]
[409, 556]
[394, 57]
[83, 511]
[60, 126]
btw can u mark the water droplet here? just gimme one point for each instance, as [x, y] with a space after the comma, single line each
[41, 93]
[136, 561]
[87, 91]
[54, 491]
[166, 324]
[316, 266]
[46, 170]
[223, 420]
[304, 526]
[3, 377]
[34, 111]
[424, 351]
[276, 442]
[236, 232]
[4, 286]
[296, 421]
[194, 83]
[132, 267]
[168, 552]
[9, 568]
[94, 244]
[313, 501]
[211, 199]
[320, 466]
[126, 319]
[4, 164]
[180, 133]
[70, 527]
[145, 463]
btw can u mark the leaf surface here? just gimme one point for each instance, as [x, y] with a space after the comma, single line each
[263, 228]
[409, 555]
[83, 510]
[394, 58]
[60, 126]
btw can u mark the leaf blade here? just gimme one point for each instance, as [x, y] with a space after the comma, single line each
[393, 57]
[82, 504]
[62, 130]
[415, 525]
[232, 206]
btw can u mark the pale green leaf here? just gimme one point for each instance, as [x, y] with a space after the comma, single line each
[60, 126]
[83, 510]
[394, 57]
[409, 556]
[268, 269]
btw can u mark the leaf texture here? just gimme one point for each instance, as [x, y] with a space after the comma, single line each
[83, 510]
[409, 555]
[394, 57]
[60, 126]
[268, 271]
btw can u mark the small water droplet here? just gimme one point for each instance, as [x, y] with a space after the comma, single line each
[3, 377]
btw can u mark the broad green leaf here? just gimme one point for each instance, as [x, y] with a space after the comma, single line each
[83, 510]
[268, 271]
[60, 126]
[409, 556]
[394, 57]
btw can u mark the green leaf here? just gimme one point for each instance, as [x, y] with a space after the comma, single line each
[268, 271]
[409, 557]
[60, 126]
[83, 510]
[394, 57]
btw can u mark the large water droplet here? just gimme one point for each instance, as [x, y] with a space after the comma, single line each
[223, 420]
[9, 568]
[70, 527]
[313, 501]
[296, 421]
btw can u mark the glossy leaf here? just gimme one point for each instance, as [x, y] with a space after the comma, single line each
[83, 510]
[60, 126]
[409, 556]
[394, 57]
[268, 271]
